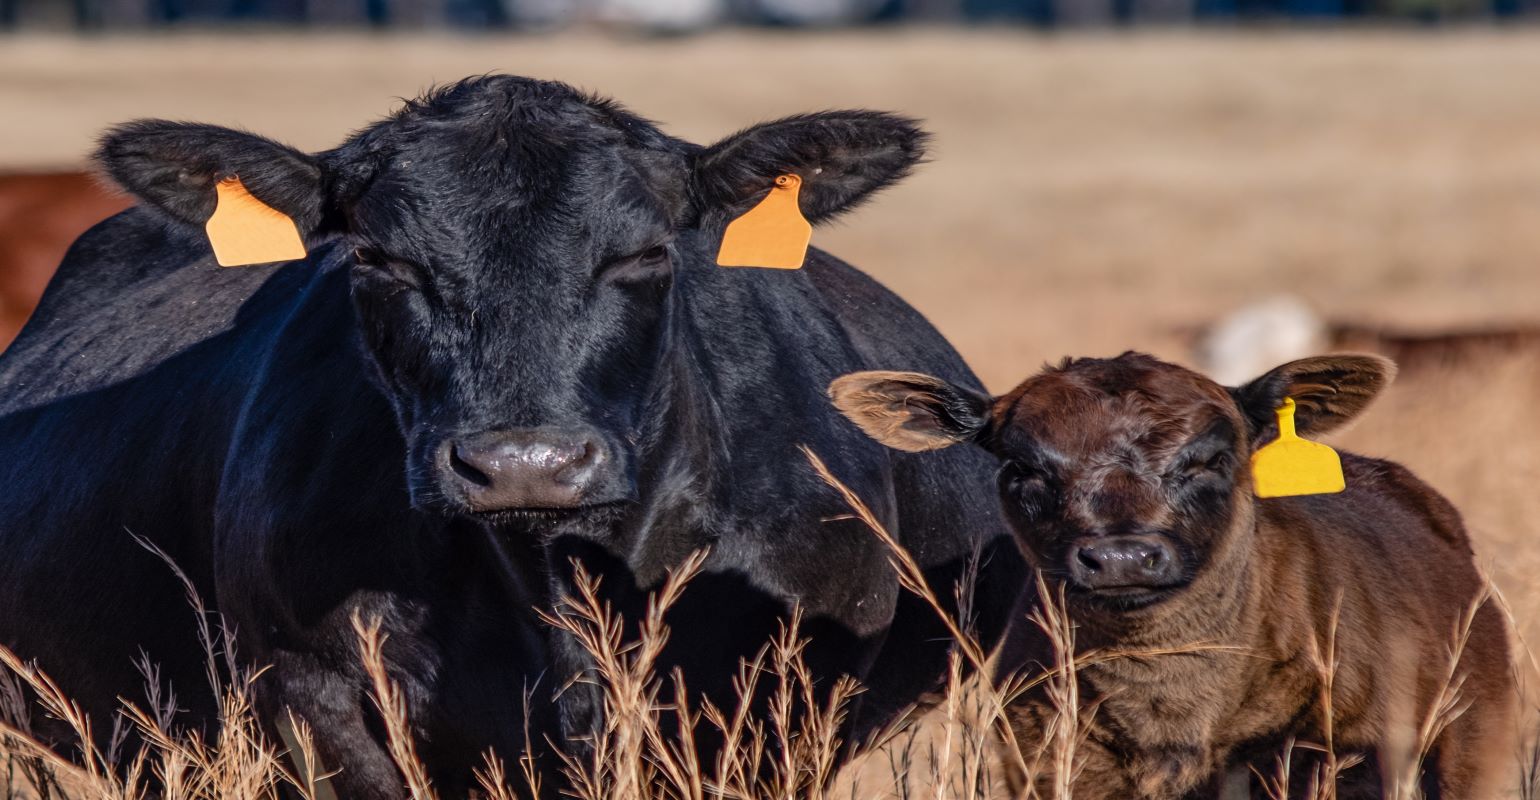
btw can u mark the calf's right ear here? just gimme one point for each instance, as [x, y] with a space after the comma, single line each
[1328, 391]
[174, 167]
[910, 411]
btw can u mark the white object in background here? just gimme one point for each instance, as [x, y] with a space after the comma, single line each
[1257, 338]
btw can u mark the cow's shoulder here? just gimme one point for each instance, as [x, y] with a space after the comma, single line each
[888, 331]
[132, 293]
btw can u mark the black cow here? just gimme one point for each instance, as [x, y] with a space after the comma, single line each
[509, 348]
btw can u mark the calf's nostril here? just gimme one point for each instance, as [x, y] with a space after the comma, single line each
[1088, 559]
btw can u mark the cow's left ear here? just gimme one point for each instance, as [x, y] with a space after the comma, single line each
[841, 156]
[174, 166]
[1328, 391]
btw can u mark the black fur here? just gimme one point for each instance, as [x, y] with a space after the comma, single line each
[173, 167]
[843, 157]
[486, 258]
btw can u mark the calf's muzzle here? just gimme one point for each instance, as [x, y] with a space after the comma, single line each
[1123, 562]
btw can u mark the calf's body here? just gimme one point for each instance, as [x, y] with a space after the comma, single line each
[1389, 561]
[1235, 624]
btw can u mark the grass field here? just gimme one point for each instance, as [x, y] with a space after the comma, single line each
[1088, 194]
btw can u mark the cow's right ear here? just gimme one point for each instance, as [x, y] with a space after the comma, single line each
[842, 157]
[910, 411]
[174, 167]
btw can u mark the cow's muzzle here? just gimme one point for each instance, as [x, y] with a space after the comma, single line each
[528, 469]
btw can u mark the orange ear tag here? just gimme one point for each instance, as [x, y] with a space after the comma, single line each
[1290, 466]
[245, 230]
[772, 234]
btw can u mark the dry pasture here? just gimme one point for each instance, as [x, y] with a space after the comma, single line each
[1089, 193]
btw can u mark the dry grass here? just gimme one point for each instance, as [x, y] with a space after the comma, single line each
[781, 737]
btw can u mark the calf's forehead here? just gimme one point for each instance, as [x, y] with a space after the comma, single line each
[1133, 412]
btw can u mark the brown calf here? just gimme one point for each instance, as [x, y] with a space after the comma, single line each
[41, 214]
[1127, 482]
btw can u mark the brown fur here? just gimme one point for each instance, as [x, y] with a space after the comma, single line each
[1099, 447]
[40, 216]
[1419, 352]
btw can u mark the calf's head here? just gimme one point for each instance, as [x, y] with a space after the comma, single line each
[514, 249]
[1124, 478]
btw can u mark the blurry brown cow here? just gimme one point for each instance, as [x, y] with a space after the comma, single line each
[40, 215]
[1242, 344]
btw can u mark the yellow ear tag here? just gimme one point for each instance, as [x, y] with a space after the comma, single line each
[245, 230]
[771, 234]
[1290, 466]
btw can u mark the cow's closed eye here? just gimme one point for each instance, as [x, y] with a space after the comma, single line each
[649, 264]
[373, 264]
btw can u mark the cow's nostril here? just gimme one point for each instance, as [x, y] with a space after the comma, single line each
[570, 459]
[465, 470]
[1089, 560]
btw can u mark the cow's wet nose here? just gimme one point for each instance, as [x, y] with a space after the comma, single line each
[525, 469]
[1123, 562]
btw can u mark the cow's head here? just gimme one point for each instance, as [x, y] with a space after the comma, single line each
[1125, 477]
[514, 250]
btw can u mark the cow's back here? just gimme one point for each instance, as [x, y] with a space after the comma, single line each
[131, 293]
[115, 408]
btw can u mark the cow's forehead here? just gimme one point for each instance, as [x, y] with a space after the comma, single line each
[527, 170]
[1132, 408]
[484, 111]
[499, 143]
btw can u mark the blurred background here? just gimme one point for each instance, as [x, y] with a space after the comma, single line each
[1226, 183]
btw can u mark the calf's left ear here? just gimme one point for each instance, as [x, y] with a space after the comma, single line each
[1328, 391]
[842, 158]
[910, 411]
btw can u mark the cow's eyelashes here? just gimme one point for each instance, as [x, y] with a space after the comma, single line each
[653, 262]
[375, 264]
[657, 254]
[366, 256]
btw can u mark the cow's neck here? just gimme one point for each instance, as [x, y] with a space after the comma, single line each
[675, 452]
[678, 455]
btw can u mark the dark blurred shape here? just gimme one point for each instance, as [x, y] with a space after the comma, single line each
[685, 16]
[40, 215]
